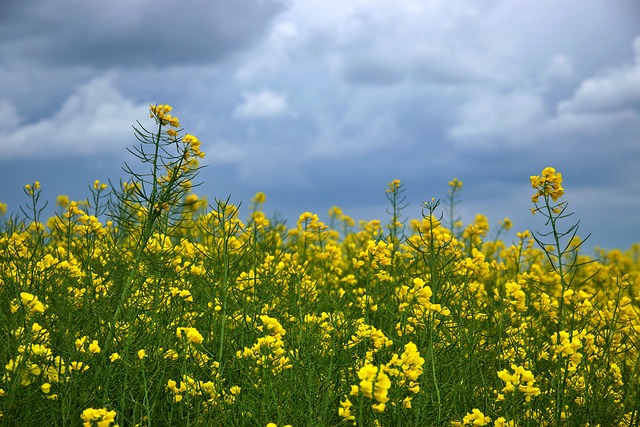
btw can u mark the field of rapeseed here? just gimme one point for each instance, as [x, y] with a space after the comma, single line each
[146, 305]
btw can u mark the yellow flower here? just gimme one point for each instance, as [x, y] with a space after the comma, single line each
[393, 186]
[193, 147]
[259, 198]
[191, 334]
[30, 189]
[171, 354]
[102, 417]
[522, 378]
[31, 302]
[94, 347]
[455, 183]
[141, 354]
[475, 418]
[78, 366]
[507, 224]
[406, 403]
[549, 183]
[367, 375]
[162, 116]
[99, 186]
[379, 407]
[345, 409]
[114, 357]
[383, 383]
[502, 422]
[80, 343]
[62, 201]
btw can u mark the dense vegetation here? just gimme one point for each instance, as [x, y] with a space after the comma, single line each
[147, 305]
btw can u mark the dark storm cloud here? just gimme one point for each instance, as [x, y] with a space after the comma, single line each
[327, 100]
[124, 33]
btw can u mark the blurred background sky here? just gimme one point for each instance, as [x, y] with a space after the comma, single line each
[323, 102]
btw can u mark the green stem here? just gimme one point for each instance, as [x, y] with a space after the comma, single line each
[146, 235]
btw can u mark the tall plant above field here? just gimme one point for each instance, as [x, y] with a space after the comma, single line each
[153, 201]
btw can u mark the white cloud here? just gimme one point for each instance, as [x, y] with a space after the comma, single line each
[491, 117]
[8, 115]
[272, 54]
[612, 89]
[350, 137]
[261, 105]
[604, 104]
[95, 119]
[559, 67]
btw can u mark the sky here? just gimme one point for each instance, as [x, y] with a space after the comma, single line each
[323, 102]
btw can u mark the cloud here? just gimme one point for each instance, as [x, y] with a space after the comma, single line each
[261, 105]
[272, 54]
[486, 119]
[605, 105]
[616, 88]
[559, 67]
[317, 100]
[125, 33]
[372, 70]
[95, 119]
[9, 115]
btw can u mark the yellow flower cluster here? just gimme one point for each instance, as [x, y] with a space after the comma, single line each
[191, 334]
[376, 254]
[521, 378]
[372, 335]
[30, 302]
[549, 184]
[416, 301]
[30, 189]
[455, 183]
[567, 345]
[98, 418]
[213, 394]
[162, 116]
[393, 186]
[375, 381]
[268, 351]
[474, 418]
[93, 347]
[475, 265]
[309, 228]
[516, 296]
[192, 152]
[408, 367]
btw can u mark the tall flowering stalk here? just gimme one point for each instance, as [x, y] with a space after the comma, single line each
[149, 202]
[562, 250]
[562, 253]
